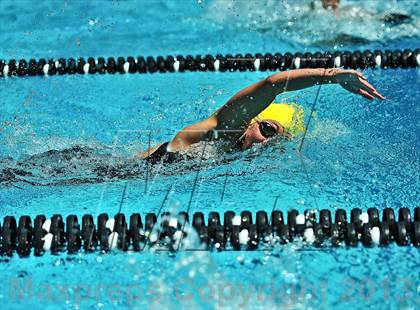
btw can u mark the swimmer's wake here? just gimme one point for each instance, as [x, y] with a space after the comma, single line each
[81, 164]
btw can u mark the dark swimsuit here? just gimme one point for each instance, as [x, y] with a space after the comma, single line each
[162, 155]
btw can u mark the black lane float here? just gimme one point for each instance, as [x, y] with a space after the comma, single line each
[237, 231]
[224, 63]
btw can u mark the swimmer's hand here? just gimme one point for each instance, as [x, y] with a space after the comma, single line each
[356, 82]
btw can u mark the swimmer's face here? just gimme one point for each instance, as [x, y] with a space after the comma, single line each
[260, 132]
[326, 4]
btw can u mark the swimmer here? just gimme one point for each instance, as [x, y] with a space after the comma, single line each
[327, 4]
[333, 4]
[389, 18]
[236, 121]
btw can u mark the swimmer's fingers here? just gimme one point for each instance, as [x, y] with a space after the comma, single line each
[363, 84]
[377, 95]
[366, 84]
[365, 94]
[357, 83]
[360, 75]
[370, 89]
[359, 91]
[362, 92]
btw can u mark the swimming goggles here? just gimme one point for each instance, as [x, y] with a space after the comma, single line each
[267, 129]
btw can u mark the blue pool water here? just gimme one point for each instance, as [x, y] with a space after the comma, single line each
[357, 153]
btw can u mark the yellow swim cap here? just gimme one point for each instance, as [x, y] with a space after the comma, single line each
[291, 116]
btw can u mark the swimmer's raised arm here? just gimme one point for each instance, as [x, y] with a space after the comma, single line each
[249, 102]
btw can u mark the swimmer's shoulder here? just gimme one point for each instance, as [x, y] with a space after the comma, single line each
[150, 151]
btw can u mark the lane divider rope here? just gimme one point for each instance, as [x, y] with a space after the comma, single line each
[224, 63]
[237, 231]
